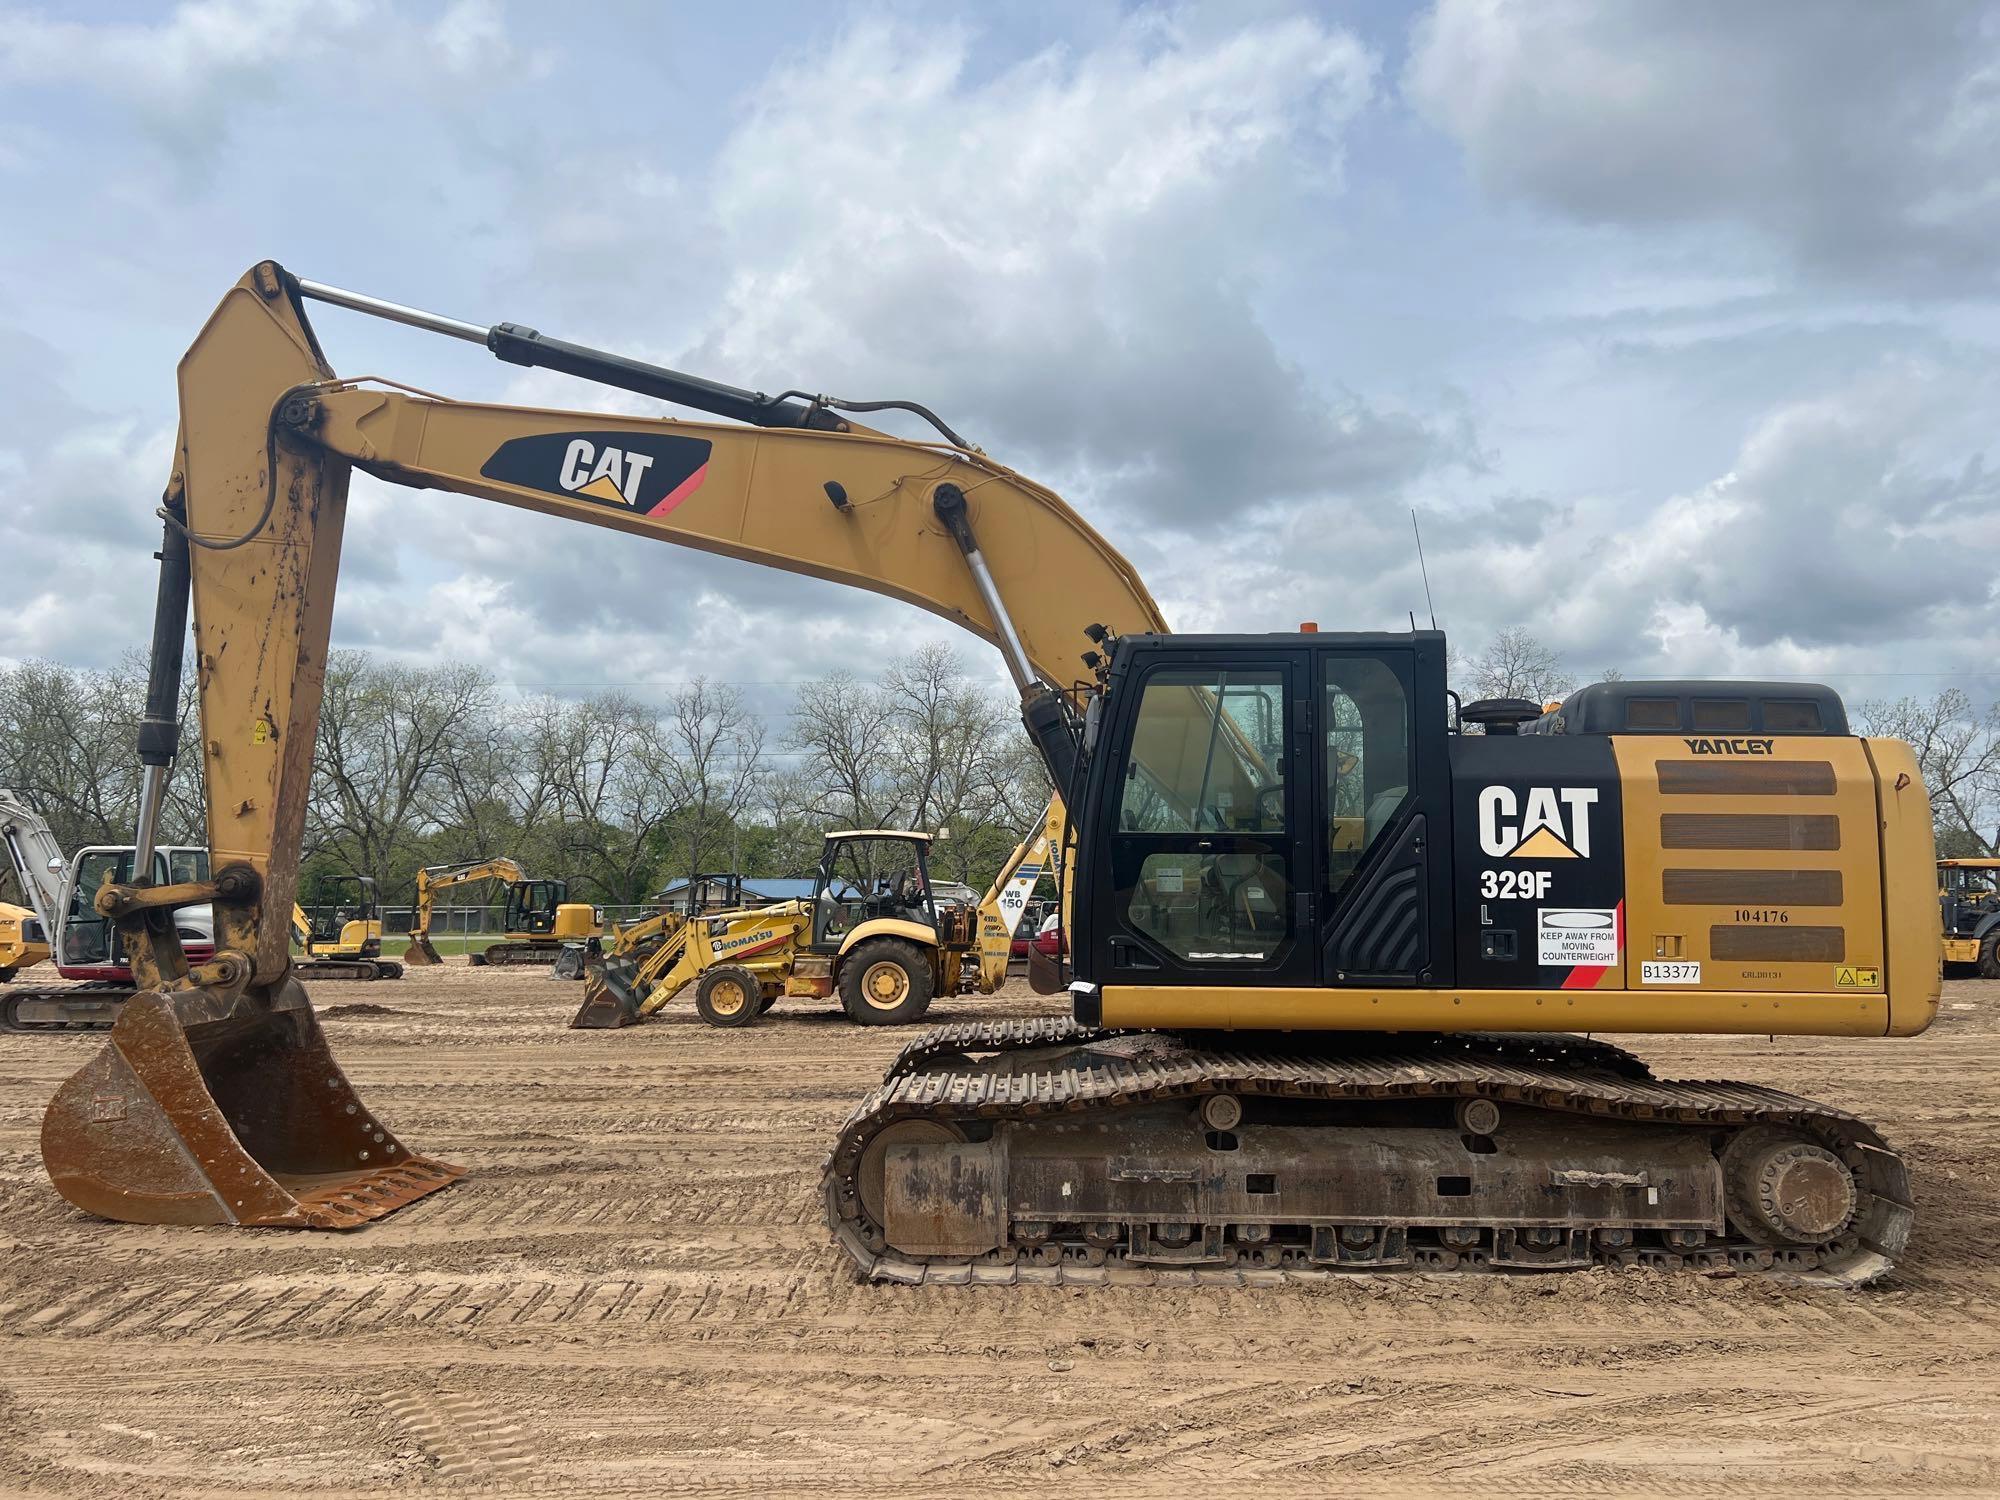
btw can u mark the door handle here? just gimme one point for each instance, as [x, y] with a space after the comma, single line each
[1125, 954]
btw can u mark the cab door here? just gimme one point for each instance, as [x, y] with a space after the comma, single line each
[1380, 798]
[1206, 879]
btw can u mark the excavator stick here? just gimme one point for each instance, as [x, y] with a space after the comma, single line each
[243, 1117]
[215, 1099]
[420, 954]
[610, 998]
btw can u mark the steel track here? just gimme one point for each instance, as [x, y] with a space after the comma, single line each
[979, 1075]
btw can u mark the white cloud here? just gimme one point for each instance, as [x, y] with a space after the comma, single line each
[190, 73]
[1859, 139]
[1062, 258]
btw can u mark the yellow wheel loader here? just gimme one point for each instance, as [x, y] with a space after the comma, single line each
[538, 921]
[874, 936]
[344, 939]
[1331, 955]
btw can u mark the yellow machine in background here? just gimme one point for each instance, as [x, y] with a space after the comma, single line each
[343, 940]
[1969, 909]
[874, 935]
[1302, 900]
[537, 922]
[23, 944]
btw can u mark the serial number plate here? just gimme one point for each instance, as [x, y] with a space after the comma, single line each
[1675, 972]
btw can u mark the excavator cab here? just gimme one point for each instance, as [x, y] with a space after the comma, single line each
[349, 925]
[532, 906]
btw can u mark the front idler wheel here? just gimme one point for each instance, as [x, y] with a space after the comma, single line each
[1785, 1188]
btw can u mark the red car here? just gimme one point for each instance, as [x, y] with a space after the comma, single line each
[1049, 941]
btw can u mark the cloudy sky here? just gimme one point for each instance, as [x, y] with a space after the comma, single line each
[1676, 322]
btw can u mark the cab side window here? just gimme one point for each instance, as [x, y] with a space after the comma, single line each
[1369, 766]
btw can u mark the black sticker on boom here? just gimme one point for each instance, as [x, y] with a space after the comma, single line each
[646, 472]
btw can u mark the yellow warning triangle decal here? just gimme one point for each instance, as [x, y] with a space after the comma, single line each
[603, 489]
[1542, 844]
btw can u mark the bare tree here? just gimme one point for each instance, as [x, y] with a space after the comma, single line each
[609, 772]
[1517, 665]
[1958, 749]
[711, 755]
[386, 733]
[844, 727]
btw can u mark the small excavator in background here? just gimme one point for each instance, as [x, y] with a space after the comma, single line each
[537, 922]
[1334, 958]
[89, 953]
[874, 935]
[343, 939]
[24, 942]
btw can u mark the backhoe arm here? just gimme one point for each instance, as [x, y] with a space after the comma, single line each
[1041, 852]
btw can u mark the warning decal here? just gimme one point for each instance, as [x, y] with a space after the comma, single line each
[1854, 977]
[1570, 936]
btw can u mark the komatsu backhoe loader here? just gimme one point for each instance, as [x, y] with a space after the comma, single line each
[1326, 949]
[873, 936]
[537, 921]
[343, 940]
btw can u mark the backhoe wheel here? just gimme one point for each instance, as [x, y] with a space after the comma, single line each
[885, 982]
[728, 996]
[1989, 955]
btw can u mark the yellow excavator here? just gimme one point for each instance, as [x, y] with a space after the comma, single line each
[1331, 953]
[23, 944]
[537, 923]
[343, 939]
[874, 934]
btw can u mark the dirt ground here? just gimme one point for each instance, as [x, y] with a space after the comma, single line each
[633, 1294]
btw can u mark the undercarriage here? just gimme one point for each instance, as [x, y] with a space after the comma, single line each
[1038, 1151]
[63, 1007]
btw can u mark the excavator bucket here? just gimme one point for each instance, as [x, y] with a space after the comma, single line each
[204, 1111]
[572, 962]
[609, 998]
[420, 954]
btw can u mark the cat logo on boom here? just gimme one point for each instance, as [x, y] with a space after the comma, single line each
[648, 472]
[1541, 823]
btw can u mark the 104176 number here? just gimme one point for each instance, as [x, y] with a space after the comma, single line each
[1515, 885]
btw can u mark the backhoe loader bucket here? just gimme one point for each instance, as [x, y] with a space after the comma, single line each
[420, 954]
[207, 1111]
[609, 1000]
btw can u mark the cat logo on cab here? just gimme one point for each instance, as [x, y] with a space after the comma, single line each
[1542, 823]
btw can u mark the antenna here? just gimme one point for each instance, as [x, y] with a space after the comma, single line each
[1417, 531]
